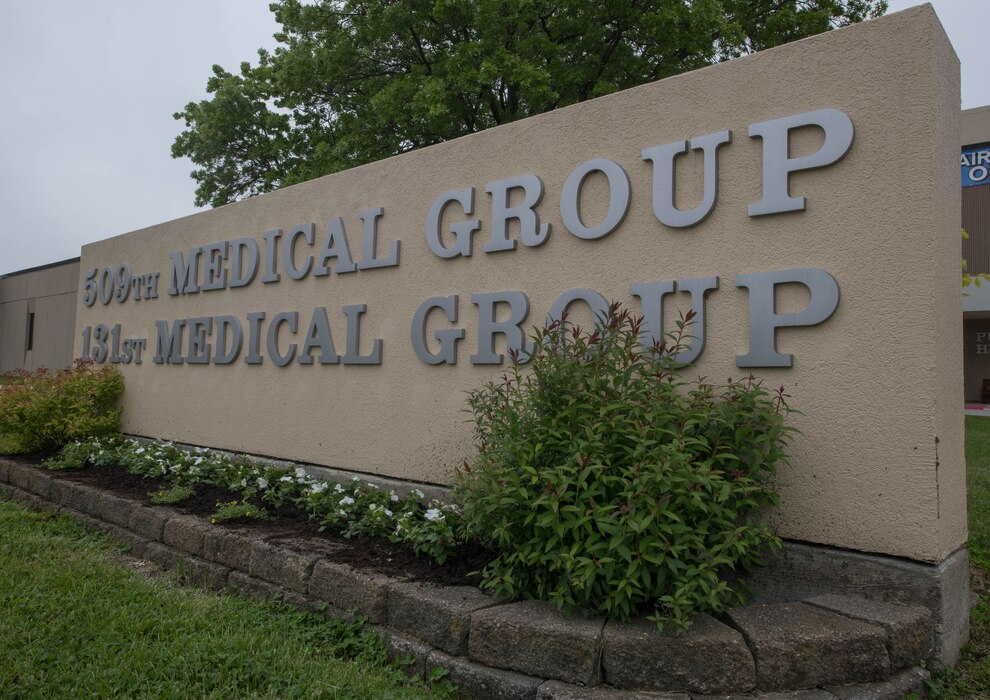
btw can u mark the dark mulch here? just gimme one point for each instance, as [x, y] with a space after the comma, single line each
[292, 528]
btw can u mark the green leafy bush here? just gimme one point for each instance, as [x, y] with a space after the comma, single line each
[44, 410]
[609, 485]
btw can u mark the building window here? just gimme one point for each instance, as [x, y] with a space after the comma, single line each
[30, 332]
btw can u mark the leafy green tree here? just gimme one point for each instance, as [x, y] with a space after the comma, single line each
[353, 81]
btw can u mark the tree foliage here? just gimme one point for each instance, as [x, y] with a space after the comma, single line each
[353, 81]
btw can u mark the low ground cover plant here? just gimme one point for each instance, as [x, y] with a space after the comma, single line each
[172, 495]
[353, 508]
[608, 484]
[238, 510]
[44, 410]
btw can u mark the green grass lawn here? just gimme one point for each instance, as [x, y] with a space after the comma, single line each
[75, 623]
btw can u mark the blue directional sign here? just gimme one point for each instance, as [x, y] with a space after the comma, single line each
[975, 166]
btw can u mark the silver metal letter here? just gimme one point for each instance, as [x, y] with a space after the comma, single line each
[353, 355]
[448, 337]
[221, 355]
[185, 277]
[242, 274]
[778, 165]
[168, 342]
[307, 231]
[254, 337]
[318, 336]
[665, 179]
[214, 276]
[292, 319]
[764, 319]
[368, 260]
[199, 349]
[651, 296]
[335, 246]
[531, 231]
[618, 198]
[462, 230]
[511, 328]
[271, 256]
[598, 304]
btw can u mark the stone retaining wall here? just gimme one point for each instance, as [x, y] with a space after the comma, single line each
[824, 647]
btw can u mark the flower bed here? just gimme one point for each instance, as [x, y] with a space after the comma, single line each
[352, 508]
[496, 648]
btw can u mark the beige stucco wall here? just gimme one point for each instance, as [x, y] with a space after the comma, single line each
[50, 294]
[878, 465]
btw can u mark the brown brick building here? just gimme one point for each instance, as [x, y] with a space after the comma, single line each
[975, 175]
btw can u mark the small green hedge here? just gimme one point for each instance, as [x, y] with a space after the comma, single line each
[44, 410]
[609, 485]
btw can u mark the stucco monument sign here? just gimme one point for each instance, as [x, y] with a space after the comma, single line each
[339, 322]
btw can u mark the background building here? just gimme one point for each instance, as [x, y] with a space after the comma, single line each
[38, 316]
[975, 173]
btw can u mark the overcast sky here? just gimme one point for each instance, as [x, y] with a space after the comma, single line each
[88, 91]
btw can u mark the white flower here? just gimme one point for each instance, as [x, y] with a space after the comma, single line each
[371, 485]
[286, 478]
[373, 507]
[318, 486]
[344, 513]
[393, 496]
[346, 501]
[355, 478]
[388, 513]
[338, 488]
[300, 473]
[244, 482]
[262, 483]
[433, 515]
[199, 460]
[419, 493]
[139, 451]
